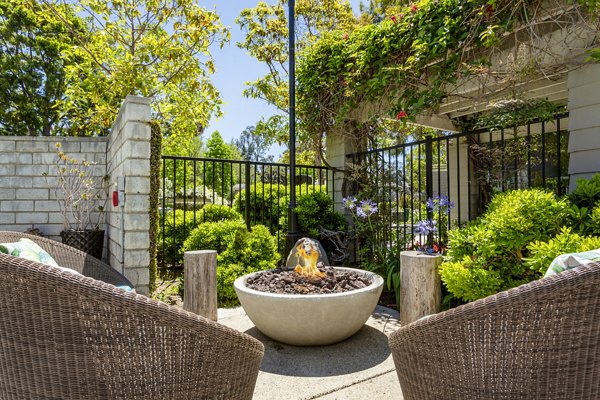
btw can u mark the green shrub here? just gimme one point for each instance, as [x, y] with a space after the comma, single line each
[264, 204]
[239, 252]
[541, 254]
[487, 255]
[315, 211]
[584, 215]
[587, 192]
[178, 225]
[173, 229]
[216, 213]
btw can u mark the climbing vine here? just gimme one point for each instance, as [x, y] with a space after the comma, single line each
[155, 168]
[409, 62]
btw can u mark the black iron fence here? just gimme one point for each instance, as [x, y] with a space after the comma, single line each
[257, 190]
[464, 169]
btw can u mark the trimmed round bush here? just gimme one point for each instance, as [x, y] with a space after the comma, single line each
[239, 252]
[486, 256]
[179, 224]
[541, 254]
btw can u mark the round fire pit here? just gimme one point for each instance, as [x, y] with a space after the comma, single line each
[310, 319]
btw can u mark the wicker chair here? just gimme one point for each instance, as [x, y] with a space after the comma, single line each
[67, 336]
[537, 341]
[69, 257]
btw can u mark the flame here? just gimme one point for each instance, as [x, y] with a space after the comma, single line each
[308, 255]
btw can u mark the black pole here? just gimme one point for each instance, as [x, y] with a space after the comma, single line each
[429, 179]
[293, 235]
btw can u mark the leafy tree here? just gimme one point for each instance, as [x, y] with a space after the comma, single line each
[32, 71]
[154, 48]
[253, 147]
[266, 40]
[220, 176]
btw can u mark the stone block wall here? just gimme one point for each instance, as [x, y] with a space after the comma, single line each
[26, 198]
[128, 158]
[27, 201]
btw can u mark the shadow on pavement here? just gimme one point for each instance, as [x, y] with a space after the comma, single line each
[365, 349]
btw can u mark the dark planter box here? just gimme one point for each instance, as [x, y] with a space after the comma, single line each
[88, 241]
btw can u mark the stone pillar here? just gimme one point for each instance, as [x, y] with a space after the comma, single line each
[420, 285]
[584, 123]
[339, 145]
[128, 161]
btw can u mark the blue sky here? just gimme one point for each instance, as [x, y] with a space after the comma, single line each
[234, 69]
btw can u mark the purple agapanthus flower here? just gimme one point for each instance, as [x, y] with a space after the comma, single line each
[439, 203]
[426, 227]
[366, 208]
[446, 204]
[430, 204]
[349, 203]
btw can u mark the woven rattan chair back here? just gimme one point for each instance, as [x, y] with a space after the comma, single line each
[66, 336]
[537, 341]
[70, 257]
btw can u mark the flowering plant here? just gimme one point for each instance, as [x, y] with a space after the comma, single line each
[376, 255]
[435, 228]
[79, 192]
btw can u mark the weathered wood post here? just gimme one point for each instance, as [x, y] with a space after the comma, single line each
[200, 283]
[420, 285]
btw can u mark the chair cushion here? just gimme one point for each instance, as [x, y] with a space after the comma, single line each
[29, 250]
[565, 262]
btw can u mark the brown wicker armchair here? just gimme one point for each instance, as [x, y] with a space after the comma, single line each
[537, 341]
[67, 336]
[69, 257]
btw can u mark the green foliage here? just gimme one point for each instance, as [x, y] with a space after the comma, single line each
[516, 112]
[32, 67]
[169, 292]
[384, 61]
[216, 213]
[155, 164]
[487, 255]
[239, 252]
[178, 224]
[154, 48]
[219, 175]
[386, 262]
[541, 254]
[266, 30]
[265, 204]
[253, 146]
[315, 210]
[587, 192]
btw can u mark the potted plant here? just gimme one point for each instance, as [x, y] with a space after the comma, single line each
[81, 195]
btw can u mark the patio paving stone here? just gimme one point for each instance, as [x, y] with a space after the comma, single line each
[360, 367]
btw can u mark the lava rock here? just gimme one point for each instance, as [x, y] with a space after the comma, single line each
[289, 282]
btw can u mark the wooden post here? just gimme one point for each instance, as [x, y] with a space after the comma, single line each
[420, 285]
[200, 283]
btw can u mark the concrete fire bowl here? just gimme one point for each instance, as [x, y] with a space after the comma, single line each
[313, 319]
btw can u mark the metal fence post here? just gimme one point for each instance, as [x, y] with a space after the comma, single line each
[429, 178]
[247, 197]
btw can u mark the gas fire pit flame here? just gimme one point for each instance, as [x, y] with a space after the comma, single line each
[307, 252]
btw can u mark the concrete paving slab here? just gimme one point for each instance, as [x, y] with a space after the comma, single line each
[361, 367]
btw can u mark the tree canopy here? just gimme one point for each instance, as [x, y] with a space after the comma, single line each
[266, 29]
[153, 48]
[68, 65]
[32, 69]
[252, 146]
